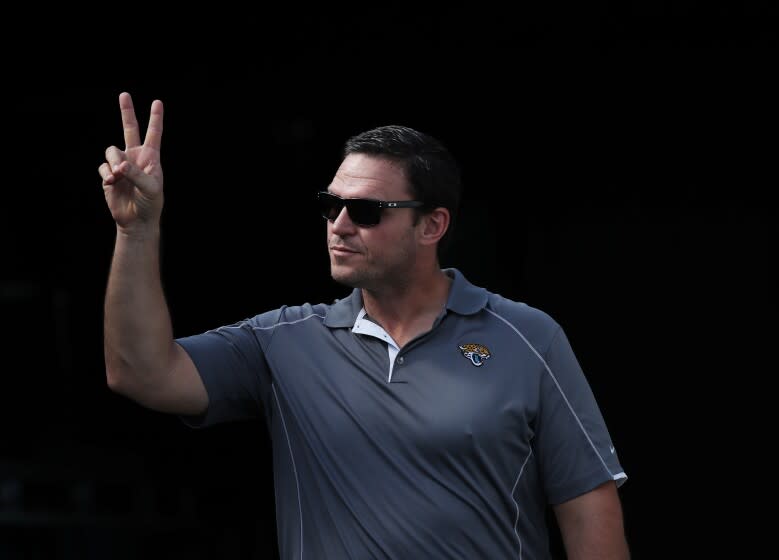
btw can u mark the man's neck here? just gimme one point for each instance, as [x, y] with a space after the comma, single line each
[409, 310]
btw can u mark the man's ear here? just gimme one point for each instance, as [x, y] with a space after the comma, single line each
[434, 225]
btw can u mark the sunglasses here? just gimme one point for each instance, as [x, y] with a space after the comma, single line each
[365, 212]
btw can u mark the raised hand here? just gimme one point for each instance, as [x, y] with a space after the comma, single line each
[132, 178]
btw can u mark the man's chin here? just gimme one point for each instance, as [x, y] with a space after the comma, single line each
[348, 277]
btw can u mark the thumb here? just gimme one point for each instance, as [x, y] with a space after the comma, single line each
[147, 184]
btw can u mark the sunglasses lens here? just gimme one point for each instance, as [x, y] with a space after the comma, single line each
[330, 206]
[363, 212]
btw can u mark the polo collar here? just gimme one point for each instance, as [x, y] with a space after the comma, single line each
[464, 299]
[344, 312]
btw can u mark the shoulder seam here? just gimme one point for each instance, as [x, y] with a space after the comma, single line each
[272, 328]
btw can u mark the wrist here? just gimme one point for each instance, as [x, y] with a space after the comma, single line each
[138, 233]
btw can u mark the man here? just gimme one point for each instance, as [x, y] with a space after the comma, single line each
[419, 417]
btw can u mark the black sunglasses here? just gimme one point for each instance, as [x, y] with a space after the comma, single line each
[365, 212]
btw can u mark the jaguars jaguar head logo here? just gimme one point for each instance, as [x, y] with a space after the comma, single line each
[476, 353]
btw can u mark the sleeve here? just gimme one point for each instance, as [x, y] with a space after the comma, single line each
[574, 447]
[231, 362]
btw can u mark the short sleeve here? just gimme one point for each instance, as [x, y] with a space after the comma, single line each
[574, 447]
[232, 365]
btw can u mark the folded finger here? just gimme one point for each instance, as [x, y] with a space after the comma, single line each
[105, 172]
[136, 176]
[114, 156]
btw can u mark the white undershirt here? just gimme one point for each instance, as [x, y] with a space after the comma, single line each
[366, 326]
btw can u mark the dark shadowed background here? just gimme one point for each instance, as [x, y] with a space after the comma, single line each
[619, 172]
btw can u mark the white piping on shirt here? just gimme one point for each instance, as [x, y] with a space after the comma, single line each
[516, 521]
[554, 379]
[294, 468]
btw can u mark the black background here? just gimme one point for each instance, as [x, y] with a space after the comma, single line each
[619, 170]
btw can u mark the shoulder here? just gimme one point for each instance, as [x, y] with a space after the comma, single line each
[531, 323]
[288, 314]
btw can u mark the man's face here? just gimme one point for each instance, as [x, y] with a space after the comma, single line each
[377, 256]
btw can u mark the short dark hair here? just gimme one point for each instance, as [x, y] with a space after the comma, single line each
[433, 174]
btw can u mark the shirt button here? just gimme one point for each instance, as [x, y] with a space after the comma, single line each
[400, 360]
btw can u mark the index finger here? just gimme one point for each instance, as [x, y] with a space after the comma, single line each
[132, 135]
[154, 130]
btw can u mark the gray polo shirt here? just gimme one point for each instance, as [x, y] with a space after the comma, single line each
[450, 447]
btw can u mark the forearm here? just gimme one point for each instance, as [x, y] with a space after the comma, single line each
[597, 543]
[138, 336]
[592, 525]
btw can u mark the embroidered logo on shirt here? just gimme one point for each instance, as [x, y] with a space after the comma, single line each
[476, 353]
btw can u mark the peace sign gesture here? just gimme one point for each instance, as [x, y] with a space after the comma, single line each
[132, 178]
